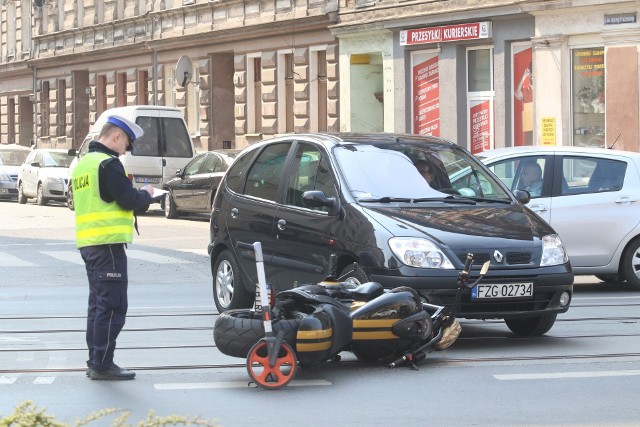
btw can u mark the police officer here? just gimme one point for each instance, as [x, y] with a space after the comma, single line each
[105, 201]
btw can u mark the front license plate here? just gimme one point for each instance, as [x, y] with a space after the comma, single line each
[503, 290]
[151, 179]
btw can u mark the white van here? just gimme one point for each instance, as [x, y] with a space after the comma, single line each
[165, 147]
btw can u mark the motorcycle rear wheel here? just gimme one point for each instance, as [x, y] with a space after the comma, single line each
[236, 331]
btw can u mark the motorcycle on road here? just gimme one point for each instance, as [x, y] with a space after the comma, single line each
[313, 323]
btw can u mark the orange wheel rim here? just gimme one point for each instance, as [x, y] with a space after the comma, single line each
[268, 376]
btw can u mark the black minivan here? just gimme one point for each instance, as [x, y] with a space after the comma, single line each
[389, 207]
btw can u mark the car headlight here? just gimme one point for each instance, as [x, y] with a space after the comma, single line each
[54, 180]
[420, 253]
[553, 252]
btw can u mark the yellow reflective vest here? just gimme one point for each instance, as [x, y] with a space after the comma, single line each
[97, 222]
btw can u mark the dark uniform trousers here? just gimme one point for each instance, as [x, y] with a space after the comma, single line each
[107, 272]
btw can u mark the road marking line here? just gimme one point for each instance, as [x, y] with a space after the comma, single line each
[7, 380]
[198, 251]
[44, 380]
[232, 384]
[155, 258]
[562, 375]
[68, 256]
[8, 260]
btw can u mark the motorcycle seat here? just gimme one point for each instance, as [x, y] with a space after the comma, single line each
[368, 291]
[313, 299]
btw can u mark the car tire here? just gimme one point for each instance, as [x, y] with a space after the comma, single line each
[229, 292]
[531, 326]
[354, 274]
[40, 199]
[630, 267]
[170, 210]
[22, 199]
[609, 278]
[70, 198]
[236, 331]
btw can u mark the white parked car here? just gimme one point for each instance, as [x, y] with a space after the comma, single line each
[590, 196]
[44, 176]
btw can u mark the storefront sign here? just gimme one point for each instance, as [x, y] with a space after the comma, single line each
[480, 120]
[426, 98]
[447, 33]
[620, 18]
[548, 131]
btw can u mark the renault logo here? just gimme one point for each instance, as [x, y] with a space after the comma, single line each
[498, 256]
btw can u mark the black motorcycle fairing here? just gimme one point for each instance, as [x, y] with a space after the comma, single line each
[417, 327]
[367, 291]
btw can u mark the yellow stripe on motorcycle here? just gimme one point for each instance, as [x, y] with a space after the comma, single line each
[377, 323]
[314, 335]
[373, 335]
[319, 346]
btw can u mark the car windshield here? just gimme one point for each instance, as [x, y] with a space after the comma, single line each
[12, 157]
[56, 159]
[415, 172]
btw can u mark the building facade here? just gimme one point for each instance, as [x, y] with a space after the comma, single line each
[255, 68]
[482, 73]
[465, 70]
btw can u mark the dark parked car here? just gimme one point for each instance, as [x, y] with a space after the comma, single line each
[360, 197]
[11, 157]
[193, 188]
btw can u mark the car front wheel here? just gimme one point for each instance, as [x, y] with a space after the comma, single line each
[40, 199]
[531, 326]
[229, 292]
[70, 198]
[631, 264]
[353, 274]
[22, 199]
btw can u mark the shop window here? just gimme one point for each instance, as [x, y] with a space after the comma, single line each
[143, 87]
[588, 87]
[101, 94]
[61, 107]
[121, 88]
[46, 110]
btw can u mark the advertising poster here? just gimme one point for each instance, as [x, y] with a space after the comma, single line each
[480, 119]
[522, 96]
[426, 98]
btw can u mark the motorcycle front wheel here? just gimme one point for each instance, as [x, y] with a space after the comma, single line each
[236, 331]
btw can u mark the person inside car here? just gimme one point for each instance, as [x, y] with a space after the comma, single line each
[531, 178]
[427, 171]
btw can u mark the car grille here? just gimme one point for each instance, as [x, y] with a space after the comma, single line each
[13, 176]
[512, 258]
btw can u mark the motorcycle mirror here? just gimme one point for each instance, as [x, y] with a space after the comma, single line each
[485, 268]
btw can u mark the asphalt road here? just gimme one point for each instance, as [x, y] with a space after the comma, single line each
[583, 372]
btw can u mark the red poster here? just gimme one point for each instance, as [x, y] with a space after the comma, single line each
[480, 127]
[522, 98]
[426, 98]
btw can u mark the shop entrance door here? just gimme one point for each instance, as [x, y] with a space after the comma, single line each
[480, 99]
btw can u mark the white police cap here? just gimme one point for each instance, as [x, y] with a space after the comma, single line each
[133, 130]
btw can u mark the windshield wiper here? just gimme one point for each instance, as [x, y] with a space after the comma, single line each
[488, 200]
[448, 199]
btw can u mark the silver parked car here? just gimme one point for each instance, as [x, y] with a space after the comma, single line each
[11, 157]
[44, 176]
[590, 196]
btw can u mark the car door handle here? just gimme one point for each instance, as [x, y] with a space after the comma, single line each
[625, 200]
[538, 208]
[234, 213]
[282, 224]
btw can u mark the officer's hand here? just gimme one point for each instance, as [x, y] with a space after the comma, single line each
[149, 189]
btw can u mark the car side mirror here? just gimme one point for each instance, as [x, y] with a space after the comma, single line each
[72, 152]
[179, 173]
[317, 198]
[35, 164]
[522, 196]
